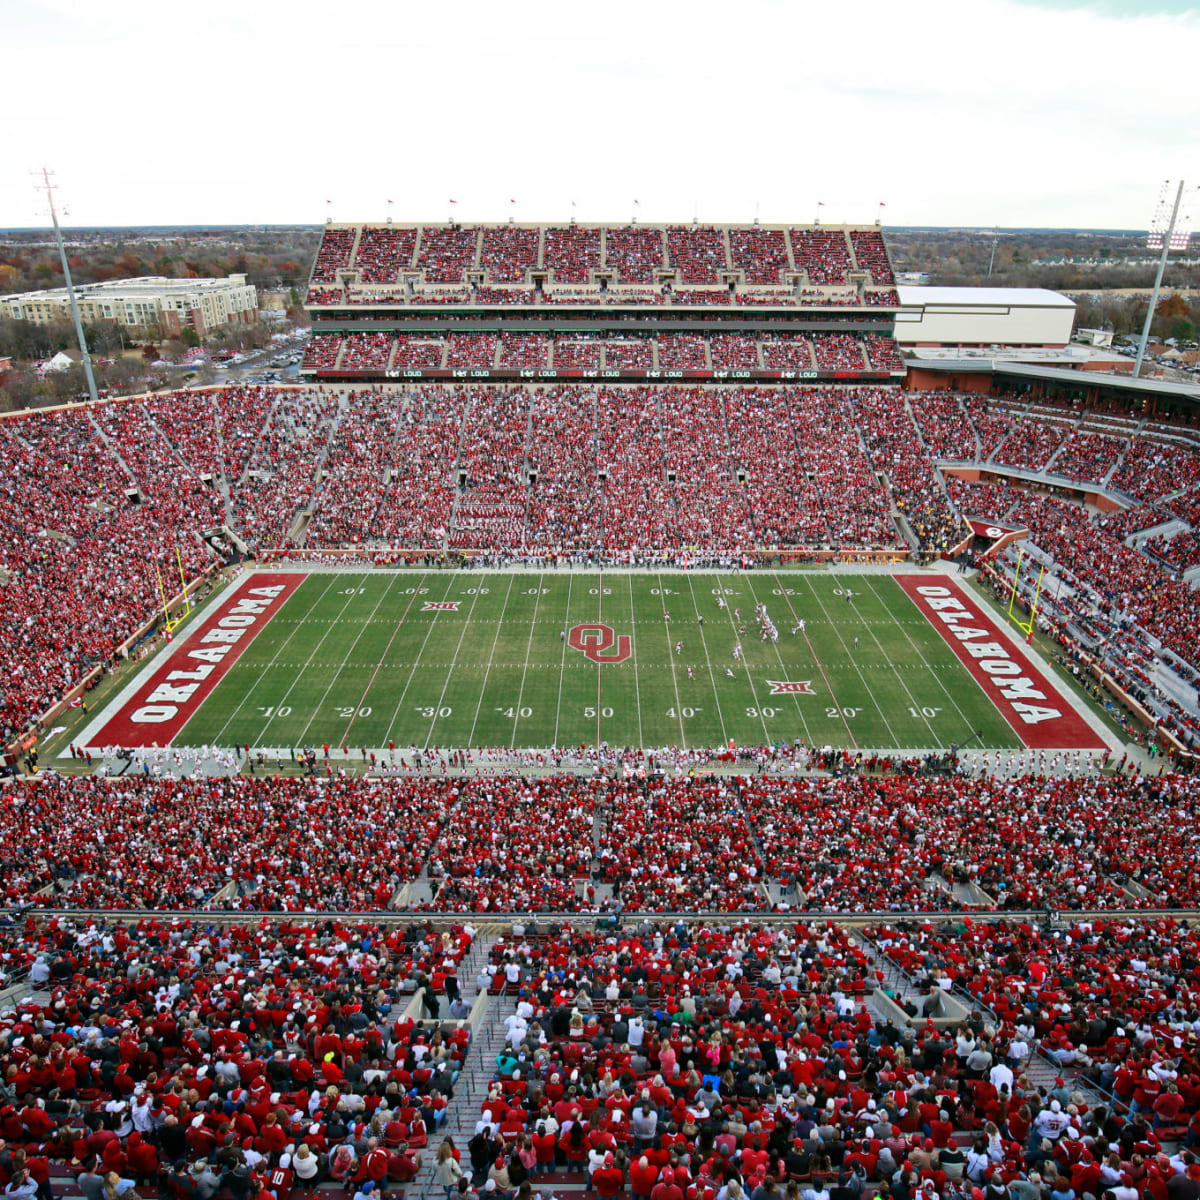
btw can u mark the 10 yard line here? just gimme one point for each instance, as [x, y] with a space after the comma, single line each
[299, 625]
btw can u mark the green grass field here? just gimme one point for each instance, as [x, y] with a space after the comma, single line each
[357, 659]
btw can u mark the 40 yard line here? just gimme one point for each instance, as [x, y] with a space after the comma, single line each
[562, 669]
[525, 668]
[637, 687]
[488, 665]
[671, 656]
[708, 663]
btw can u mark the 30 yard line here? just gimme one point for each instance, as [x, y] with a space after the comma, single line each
[346, 658]
[437, 708]
[746, 666]
[299, 625]
[525, 669]
[382, 659]
[708, 663]
[387, 737]
[488, 665]
[562, 667]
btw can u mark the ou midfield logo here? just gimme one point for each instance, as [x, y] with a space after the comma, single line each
[595, 642]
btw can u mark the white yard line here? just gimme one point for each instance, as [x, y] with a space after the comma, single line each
[145, 672]
[488, 665]
[853, 658]
[937, 739]
[637, 687]
[562, 667]
[671, 660]
[282, 646]
[333, 625]
[784, 668]
[525, 668]
[437, 708]
[708, 663]
[728, 611]
[382, 659]
[387, 737]
[346, 658]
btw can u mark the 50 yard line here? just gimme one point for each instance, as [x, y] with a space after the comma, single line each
[637, 687]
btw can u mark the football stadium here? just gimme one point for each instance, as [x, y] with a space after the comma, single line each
[611, 729]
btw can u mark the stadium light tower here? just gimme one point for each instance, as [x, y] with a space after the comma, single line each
[66, 266]
[1167, 232]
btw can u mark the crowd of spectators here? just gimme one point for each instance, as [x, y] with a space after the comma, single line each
[189, 1060]
[383, 253]
[505, 842]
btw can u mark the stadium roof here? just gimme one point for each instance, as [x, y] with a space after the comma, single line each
[1124, 383]
[982, 297]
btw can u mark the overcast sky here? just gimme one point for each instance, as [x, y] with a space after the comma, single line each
[954, 112]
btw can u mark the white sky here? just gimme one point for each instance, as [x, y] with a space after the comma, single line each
[954, 112]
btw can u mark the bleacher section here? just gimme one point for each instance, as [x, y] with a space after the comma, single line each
[412, 266]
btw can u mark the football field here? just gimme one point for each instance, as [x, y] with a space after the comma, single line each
[521, 659]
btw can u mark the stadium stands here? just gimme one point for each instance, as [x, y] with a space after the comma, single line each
[651, 467]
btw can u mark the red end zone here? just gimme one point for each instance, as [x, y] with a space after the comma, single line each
[1037, 711]
[163, 704]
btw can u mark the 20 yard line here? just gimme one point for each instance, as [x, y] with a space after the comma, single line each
[382, 659]
[708, 663]
[562, 667]
[488, 665]
[525, 669]
[346, 658]
[916, 646]
[299, 625]
[853, 658]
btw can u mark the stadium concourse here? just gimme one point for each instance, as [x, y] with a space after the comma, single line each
[761, 971]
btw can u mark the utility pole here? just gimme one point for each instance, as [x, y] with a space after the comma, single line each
[995, 240]
[66, 266]
[1168, 244]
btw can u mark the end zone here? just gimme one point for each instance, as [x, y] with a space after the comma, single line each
[1041, 716]
[162, 700]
